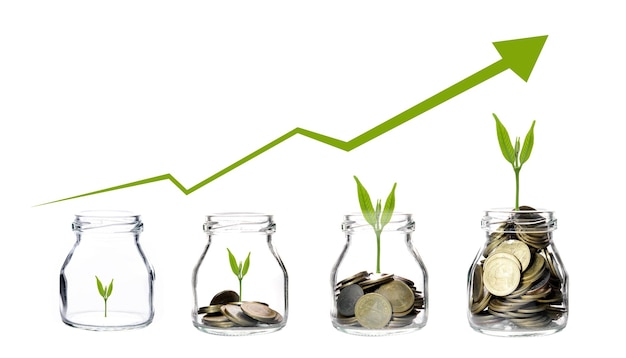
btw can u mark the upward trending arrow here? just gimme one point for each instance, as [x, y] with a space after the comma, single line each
[519, 55]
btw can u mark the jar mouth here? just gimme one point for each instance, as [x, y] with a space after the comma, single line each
[107, 220]
[399, 222]
[507, 220]
[239, 222]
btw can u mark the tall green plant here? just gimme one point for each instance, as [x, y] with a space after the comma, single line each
[377, 217]
[512, 153]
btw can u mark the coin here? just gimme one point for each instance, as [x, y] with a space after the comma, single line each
[347, 299]
[224, 297]
[358, 277]
[399, 295]
[210, 309]
[218, 321]
[235, 314]
[376, 281]
[501, 274]
[373, 311]
[517, 248]
[259, 311]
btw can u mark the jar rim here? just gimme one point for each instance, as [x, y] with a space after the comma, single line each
[400, 221]
[230, 222]
[107, 221]
[505, 220]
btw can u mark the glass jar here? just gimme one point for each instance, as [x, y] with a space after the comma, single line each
[517, 285]
[379, 287]
[240, 282]
[106, 282]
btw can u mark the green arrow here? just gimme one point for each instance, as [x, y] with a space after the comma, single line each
[519, 55]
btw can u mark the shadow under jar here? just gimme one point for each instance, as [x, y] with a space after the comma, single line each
[517, 285]
[379, 287]
[240, 281]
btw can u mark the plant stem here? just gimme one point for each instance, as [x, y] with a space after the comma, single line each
[517, 170]
[105, 307]
[378, 232]
[240, 299]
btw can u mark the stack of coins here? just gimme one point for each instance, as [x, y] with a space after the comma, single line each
[227, 311]
[377, 301]
[517, 280]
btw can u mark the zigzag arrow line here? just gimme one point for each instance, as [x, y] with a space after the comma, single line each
[518, 55]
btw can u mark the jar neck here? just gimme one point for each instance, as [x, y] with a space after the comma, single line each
[508, 221]
[399, 223]
[239, 223]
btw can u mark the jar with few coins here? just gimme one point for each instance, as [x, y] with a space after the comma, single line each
[379, 286]
[240, 281]
[517, 284]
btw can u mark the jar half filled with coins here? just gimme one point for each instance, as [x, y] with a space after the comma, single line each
[379, 284]
[240, 281]
[517, 285]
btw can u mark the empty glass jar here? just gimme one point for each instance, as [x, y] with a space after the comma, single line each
[517, 285]
[379, 286]
[106, 282]
[240, 281]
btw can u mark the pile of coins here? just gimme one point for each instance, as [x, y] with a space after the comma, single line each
[227, 311]
[517, 278]
[377, 301]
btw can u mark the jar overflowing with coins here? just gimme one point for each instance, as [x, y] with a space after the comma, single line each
[106, 282]
[379, 287]
[517, 285]
[240, 281]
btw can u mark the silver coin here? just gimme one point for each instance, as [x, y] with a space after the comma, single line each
[347, 299]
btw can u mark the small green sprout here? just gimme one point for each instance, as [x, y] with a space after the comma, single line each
[512, 154]
[105, 292]
[239, 269]
[376, 217]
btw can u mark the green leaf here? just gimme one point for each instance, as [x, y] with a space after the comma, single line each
[100, 287]
[233, 263]
[390, 204]
[246, 266]
[366, 203]
[505, 142]
[378, 211]
[527, 148]
[110, 289]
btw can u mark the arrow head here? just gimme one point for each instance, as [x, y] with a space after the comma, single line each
[521, 55]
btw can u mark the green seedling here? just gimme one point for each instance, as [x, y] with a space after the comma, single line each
[513, 154]
[239, 269]
[105, 292]
[376, 217]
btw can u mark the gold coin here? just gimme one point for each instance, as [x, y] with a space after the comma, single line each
[373, 310]
[399, 294]
[517, 248]
[501, 274]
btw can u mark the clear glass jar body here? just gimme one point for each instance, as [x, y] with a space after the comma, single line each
[379, 287]
[107, 251]
[240, 282]
[517, 285]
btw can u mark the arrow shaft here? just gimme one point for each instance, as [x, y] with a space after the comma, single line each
[430, 103]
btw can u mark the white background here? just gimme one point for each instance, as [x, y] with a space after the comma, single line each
[99, 94]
